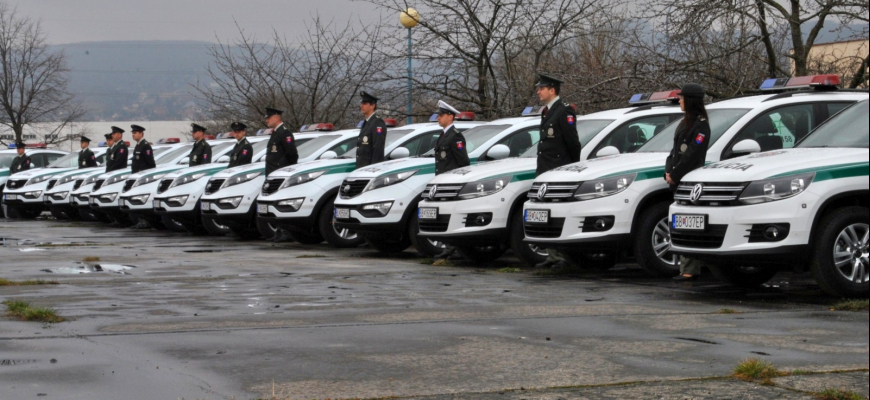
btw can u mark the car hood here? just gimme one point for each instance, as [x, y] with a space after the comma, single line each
[209, 169]
[84, 172]
[231, 172]
[337, 164]
[646, 165]
[518, 168]
[160, 170]
[425, 164]
[825, 163]
[35, 173]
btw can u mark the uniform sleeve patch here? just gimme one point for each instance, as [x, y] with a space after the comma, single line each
[289, 139]
[700, 138]
[205, 156]
[244, 152]
[460, 145]
[570, 120]
[380, 131]
[148, 152]
[122, 151]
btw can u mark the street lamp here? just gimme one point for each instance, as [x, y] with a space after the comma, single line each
[409, 19]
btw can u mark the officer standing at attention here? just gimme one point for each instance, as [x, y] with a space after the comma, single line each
[281, 152]
[689, 153]
[22, 162]
[201, 152]
[143, 154]
[118, 152]
[243, 152]
[451, 152]
[559, 145]
[372, 136]
[86, 156]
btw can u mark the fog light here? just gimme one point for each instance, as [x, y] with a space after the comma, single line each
[232, 201]
[60, 195]
[771, 233]
[480, 220]
[33, 194]
[181, 200]
[109, 197]
[383, 208]
[141, 199]
[294, 204]
[600, 224]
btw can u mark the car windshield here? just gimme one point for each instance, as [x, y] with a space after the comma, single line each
[477, 136]
[173, 154]
[308, 148]
[720, 121]
[848, 129]
[70, 160]
[159, 152]
[6, 160]
[393, 136]
[587, 129]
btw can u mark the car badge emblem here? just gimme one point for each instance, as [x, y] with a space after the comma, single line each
[346, 188]
[697, 191]
[542, 192]
[433, 192]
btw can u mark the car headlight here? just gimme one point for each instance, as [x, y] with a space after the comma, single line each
[389, 180]
[239, 179]
[483, 188]
[299, 179]
[382, 208]
[91, 179]
[185, 179]
[232, 201]
[776, 189]
[141, 199]
[38, 179]
[115, 179]
[110, 197]
[66, 179]
[604, 187]
[148, 179]
[60, 195]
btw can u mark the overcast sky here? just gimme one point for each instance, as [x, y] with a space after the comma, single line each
[71, 21]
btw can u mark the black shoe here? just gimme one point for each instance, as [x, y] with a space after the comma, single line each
[282, 237]
[444, 254]
[456, 257]
[546, 264]
[683, 278]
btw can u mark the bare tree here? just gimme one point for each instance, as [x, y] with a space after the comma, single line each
[33, 80]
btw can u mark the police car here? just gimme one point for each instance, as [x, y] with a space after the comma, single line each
[230, 200]
[301, 198]
[479, 209]
[804, 208]
[612, 206]
[39, 157]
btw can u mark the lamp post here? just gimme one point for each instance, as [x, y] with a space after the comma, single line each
[409, 19]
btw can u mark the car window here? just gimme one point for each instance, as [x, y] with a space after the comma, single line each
[6, 160]
[780, 128]
[631, 136]
[851, 129]
[422, 144]
[834, 108]
[38, 160]
[50, 158]
[395, 135]
[309, 147]
[70, 160]
[345, 146]
[168, 157]
[720, 121]
[522, 141]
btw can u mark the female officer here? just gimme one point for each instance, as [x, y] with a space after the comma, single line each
[689, 153]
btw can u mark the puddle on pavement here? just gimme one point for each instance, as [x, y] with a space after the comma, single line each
[81, 268]
[697, 341]
[13, 363]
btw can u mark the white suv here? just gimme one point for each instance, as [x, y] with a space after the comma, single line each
[23, 193]
[801, 208]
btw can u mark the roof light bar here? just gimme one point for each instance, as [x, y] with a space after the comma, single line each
[652, 98]
[169, 141]
[531, 111]
[801, 82]
[322, 127]
[466, 116]
[391, 123]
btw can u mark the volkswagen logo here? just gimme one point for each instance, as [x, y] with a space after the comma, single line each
[697, 191]
[433, 192]
[346, 188]
[542, 192]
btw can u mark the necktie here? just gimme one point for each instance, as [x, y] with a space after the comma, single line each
[546, 110]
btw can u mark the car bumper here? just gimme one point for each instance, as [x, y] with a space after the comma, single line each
[482, 220]
[603, 223]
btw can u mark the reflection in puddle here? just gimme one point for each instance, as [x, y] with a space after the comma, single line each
[81, 268]
[12, 363]
[9, 241]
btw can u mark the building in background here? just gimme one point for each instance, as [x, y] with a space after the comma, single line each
[843, 58]
[67, 139]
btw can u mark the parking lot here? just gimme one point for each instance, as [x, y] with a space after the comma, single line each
[156, 315]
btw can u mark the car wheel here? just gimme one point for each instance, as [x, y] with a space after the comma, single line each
[267, 230]
[482, 254]
[335, 236]
[652, 242]
[744, 276]
[215, 228]
[154, 222]
[425, 246]
[58, 214]
[390, 246]
[840, 261]
[530, 254]
[172, 224]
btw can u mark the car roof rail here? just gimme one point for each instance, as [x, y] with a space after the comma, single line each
[648, 107]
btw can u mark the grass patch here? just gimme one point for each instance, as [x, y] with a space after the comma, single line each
[91, 259]
[800, 372]
[755, 370]
[25, 312]
[728, 311]
[831, 394]
[37, 282]
[311, 256]
[509, 270]
[443, 263]
[851, 305]
[427, 261]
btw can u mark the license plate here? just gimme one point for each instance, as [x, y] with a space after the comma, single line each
[689, 222]
[342, 213]
[206, 206]
[428, 213]
[93, 200]
[262, 209]
[156, 203]
[122, 203]
[11, 197]
[537, 216]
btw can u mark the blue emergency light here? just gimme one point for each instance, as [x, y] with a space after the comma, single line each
[12, 146]
[528, 110]
[434, 118]
[638, 98]
[774, 83]
[360, 124]
[103, 144]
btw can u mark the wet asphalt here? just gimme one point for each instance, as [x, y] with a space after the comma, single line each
[169, 316]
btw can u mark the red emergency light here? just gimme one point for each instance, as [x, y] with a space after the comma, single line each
[391, 123]
[208, 137]
[466, 116]
[812, 81]
[673, 95]
[321, 127]
[169, 141]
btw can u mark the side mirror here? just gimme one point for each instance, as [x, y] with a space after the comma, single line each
[607, 151]
[184, 161]
[400, 153]
[329, 155]
[747, 146]
[225, 159]
[499, 152]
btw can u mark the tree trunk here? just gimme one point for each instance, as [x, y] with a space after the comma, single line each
[799, 51]
[765, 38]
[860, 75]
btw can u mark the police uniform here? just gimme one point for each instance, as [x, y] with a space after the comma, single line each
[372, 137]
[20, 163]
[143, 154]
[281, 151]
[117, 159]
[86, 156]
[451, 151]
[243, 152]
[201, 152]
[560, 143]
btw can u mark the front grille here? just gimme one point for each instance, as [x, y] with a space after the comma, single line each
[557, 192]
[129, 185]
[164, 185]
[272, 185]
[551, 230]
[98, 184]
[352, 188]
[439, 225]
[214, 185]
[15, 184]
[712, 194]
[51, 184]
[443, 192]
[712, 238]
[78, 184]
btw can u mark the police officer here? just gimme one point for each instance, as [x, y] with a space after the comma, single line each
[118, 151]
[201, 152]
[691, 142]
[451, 152]
[143, 154]
[559, 145]
[86, 156]
[243, 152]
[21, 162]
[373, 135]
[281, 152]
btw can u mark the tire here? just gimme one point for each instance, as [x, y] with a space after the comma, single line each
[125, 220]
[172, 224]
[426, 247]
[528, 254]
[194, 227]
[21, 213]
[88, 215]
[840, 263]
[482, 254]
[214, 228]
[247, 233]
[652, 242]
[339, 238]
[307, 238]
[58, 214]
[267, 230]
[155, 222]
[390, 246]
[745, 277]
